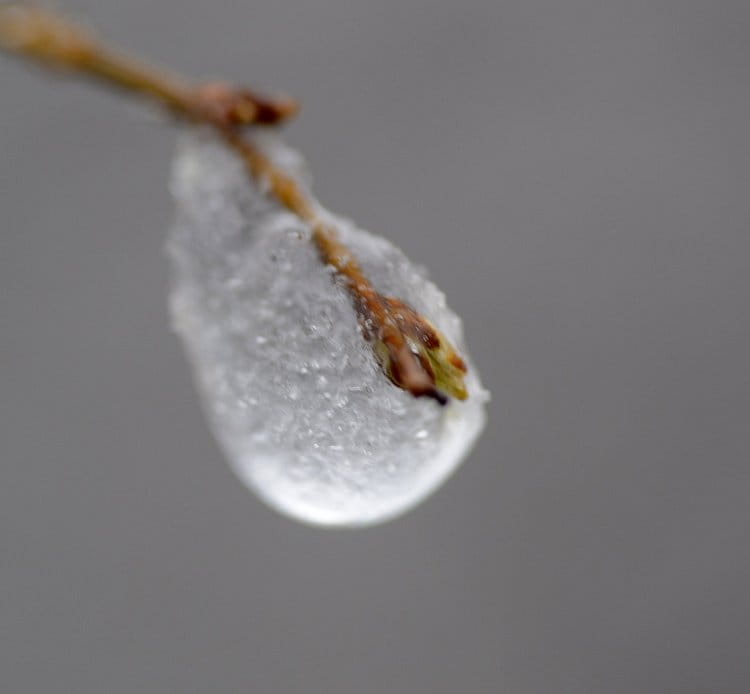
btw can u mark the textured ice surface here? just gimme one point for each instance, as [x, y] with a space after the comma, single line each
[291, 389]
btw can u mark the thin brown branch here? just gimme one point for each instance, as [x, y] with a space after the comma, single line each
[412, 353]
[59, 44]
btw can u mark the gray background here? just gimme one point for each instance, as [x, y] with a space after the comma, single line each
[575, 174]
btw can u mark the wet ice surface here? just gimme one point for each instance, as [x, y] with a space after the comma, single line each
[291, 389]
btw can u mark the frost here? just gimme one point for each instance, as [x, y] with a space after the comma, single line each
[291, 389]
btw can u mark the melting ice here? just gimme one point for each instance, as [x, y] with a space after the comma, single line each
[291, 390]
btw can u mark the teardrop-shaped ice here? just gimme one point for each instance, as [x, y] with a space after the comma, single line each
[292, 391]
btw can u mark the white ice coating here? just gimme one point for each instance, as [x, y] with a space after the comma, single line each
[291, 390]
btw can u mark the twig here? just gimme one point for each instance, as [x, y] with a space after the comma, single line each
[411, 351]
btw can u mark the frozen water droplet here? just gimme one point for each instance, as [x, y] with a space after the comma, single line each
[305, 417]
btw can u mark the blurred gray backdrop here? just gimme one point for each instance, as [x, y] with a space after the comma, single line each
[575, 174]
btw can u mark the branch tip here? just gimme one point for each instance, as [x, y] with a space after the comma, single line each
[412, 353]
